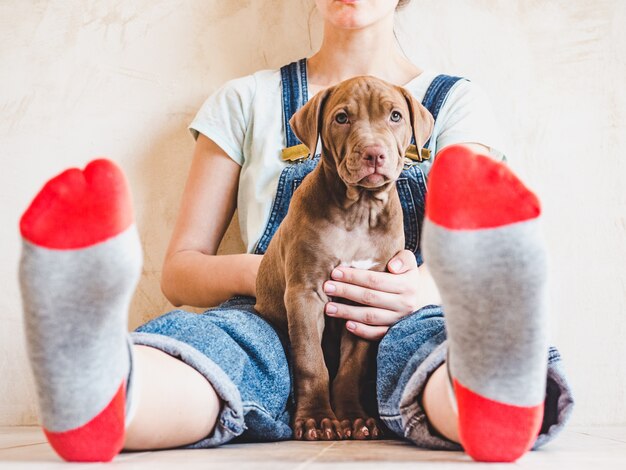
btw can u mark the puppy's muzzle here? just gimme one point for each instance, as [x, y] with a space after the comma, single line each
[372, 166]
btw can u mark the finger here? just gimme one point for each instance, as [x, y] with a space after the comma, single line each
[366, 331]
[367, 315]
[402, 262]
[363, 295]
[384, 282]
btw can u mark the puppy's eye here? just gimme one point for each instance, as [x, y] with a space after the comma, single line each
[395, 116]
[341, 118]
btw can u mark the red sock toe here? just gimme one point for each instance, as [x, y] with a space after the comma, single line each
[471, 191]
[79, 208]
[491, 431]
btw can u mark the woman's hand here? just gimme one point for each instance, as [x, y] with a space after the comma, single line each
[384, 297]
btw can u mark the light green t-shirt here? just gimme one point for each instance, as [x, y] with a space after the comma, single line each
[244, 117]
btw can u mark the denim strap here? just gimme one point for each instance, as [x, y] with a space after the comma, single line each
[295, 94]
[436, 96]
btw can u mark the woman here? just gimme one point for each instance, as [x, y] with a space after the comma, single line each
[201, 380]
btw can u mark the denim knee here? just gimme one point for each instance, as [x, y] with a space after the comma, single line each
[412, 350]
[242, 357]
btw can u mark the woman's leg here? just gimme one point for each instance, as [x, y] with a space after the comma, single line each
[229, 353]
[440, 406]
[488, 260]
[174, 404]
[81, 259]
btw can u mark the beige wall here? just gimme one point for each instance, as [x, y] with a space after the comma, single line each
[82, 78]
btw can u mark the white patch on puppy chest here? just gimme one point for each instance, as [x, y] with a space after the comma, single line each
[359, 264]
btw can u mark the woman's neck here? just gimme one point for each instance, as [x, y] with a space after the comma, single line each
[347, 53]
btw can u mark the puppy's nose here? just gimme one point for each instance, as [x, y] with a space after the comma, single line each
[374, 155]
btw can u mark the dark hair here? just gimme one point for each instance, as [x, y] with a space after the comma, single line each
[402, 3]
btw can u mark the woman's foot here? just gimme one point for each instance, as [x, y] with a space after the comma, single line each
[81, 260]
[483, 244]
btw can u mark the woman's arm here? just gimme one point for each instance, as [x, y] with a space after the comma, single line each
[192, 273]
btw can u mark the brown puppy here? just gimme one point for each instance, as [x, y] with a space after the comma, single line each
[345, 212]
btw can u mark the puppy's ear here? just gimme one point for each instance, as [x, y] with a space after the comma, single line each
[421, 120]
[307, 121]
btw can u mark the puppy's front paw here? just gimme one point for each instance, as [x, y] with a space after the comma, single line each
[319, 429]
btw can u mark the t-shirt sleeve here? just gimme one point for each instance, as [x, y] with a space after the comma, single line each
[469, 118]
[225, 115]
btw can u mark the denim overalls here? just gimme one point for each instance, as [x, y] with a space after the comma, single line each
[246, 362]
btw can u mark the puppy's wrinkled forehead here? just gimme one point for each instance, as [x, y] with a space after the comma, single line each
[365, 97]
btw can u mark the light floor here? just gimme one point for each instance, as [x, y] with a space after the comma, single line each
[577, 448]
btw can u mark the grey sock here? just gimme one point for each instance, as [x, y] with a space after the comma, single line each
[75, 312]
[492, 284]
